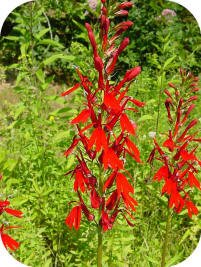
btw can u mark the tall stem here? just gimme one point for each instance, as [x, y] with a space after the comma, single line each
[159, 100]
[166, 239]
[100, 234]
[100, 247]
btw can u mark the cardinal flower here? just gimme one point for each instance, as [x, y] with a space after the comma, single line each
[104, 132]
[7, 240]
[74, 218]
[178, 155]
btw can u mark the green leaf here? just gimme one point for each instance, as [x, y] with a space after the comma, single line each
[79, 25]
[48, 263]
[168, 62]
[23, 49]
[19, 110]
[41, 33]
[186, 235]
[10, 164]
[40, 75]
[55, 57]
[12, 38]
[20, 77]
[51, 42]
[174, 260]
[36, 187]
[145, 118]
[12, 181]
[61, 136]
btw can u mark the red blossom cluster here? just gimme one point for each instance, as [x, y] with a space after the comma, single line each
[7, 240]
[104, 131]
[179, 161]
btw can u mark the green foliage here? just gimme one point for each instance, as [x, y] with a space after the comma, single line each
[38, 52]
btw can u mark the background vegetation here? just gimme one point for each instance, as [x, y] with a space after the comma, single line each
[41, 44]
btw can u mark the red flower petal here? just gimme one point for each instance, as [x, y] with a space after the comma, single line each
[109, 181]
[16, 213]
[129, 201]
[98, 138]
[192, 209]
[123, 186]
[193, 181]
[137, 102]
[162, 173]
[71, 148]
[74, 218]
[95, 199]
[111, 202]
[111, 102]
[126, 125]
[77, 85]
[110, 159]
[132, 148]
[169, 144]
[82, 117]
[125, 5]
[8, 241]
[79, 181]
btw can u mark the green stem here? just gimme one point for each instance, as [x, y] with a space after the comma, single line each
[100, 247]
[159, 100]
[166, 239]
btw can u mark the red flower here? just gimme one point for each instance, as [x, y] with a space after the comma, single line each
[180, 162]
[111, 64]
[3, 207]
[104, 140]
[169, 143]
[111, 102]
[7, 240]
[16, 213]
[79, 181]
[98, 138]
[72, 147]
[89, 216]
[121, 13]
[82, 117]
[129, 201]
[126, 125]
[129, 76]
[109, 182]
[95, 199]
[91, 37]
[162, 173]
[105, 221]
[112, 200]
[125, 4]
[111, 160]
[133, 150]
[192, 209]
[193, 181]
[77, 85]
[74, 218]
[123, 186]
[137, 102]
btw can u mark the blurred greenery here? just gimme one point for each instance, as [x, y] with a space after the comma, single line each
[40, 46]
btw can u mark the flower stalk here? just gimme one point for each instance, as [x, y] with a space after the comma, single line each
[166, 238]
[104, 132]
[177, 154]
[100, 233]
